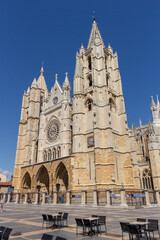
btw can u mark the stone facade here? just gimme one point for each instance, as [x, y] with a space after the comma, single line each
[86, 143]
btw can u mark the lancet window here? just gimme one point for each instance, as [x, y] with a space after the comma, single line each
[45, 156]
[147, 179]
[90, 80]
[58, 152]
[89, 63]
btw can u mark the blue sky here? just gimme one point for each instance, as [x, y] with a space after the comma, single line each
[52, 32]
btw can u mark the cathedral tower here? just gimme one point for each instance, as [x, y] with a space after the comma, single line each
[100, 131]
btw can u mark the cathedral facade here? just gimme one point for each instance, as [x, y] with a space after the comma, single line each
[85, 143]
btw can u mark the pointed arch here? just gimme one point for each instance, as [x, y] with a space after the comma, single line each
[26, 181]
[62, 178]
[42, 179]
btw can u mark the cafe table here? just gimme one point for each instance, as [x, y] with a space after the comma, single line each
[91, 220]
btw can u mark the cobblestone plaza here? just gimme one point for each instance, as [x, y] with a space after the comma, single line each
[26, 220]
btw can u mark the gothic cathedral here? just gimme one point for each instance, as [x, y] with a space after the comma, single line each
[85, 143]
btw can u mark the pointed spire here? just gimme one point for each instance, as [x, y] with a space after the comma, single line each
[109, 48]
[66, 84]
[78, 68]
[34, 83]
[42, 71]
[152, 103]
[95, 36]
[82, 50]
[157, 101]
[140, 123]
[28, 90]
[56, 77]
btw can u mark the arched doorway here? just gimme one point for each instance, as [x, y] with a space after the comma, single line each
[42, 180]
[26, 182]
[61, 182]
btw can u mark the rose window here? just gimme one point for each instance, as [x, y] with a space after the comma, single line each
[53, 130]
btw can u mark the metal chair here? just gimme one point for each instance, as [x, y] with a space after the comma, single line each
[152, 227]
[102, 222]
[65, 218]
[134, 231]
[51, 220]
[141, 227]
[79, 223]
[47, 237]
[6, 233]
[2, 229]
[45, 220]
[60, 238]
[124, 228]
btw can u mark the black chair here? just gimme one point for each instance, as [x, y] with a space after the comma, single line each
[45, 220]
[102, 222]
[65, 218]
[79, 223]
[95, 216]
[47, 237]
[51, 220]
[6, 233]
[59, 220]
[60, 213]
[141, 227]
[87, 225]
[152, 227]
[124, 228]
[60, 238]
[134, 231]
[2, 229]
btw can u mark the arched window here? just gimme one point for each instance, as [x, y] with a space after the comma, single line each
[90, 80]
[49, 155]
[54, 153]
[89, 104]
[45, 156]
[106, 62]
[147, 179]
[89, 63]
[58, 152]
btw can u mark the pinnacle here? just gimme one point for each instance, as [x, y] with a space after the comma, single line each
[42, 71]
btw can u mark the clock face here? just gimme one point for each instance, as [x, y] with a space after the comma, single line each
[90, 141]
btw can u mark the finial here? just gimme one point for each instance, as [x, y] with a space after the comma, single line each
[152, 101]
[157, 101]
[56, 77]
[42, 71]
[93, 16]
[140, 122]
[66, 74]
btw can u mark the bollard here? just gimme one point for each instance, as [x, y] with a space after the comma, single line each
[95, 198]
[84, 197]
[108, 201]
[55, 197]
[123, 198]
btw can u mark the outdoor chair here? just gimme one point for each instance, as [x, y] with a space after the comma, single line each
[102, 222]
[79, 223]
[65, 218]
[134, 231]
[60, 238]
[60, 213]
[124, 228]
[51, 220]
[6, 233]
[45, 220]
[152, 227]
[2, 229]
[47, 237]
[95, 216]
[141, 227]
[87, 225]
[59, 220]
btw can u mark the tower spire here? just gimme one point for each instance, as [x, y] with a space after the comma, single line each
[95, 36]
